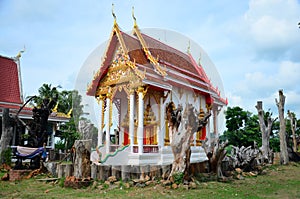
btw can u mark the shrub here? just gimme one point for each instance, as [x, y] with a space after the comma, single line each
[178, 177]
[6, 156]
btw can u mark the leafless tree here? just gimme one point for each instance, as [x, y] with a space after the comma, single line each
[265, 132]
[284, 156]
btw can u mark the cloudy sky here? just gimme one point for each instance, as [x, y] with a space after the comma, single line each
[255, 44]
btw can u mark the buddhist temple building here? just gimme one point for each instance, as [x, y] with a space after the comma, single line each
[138, 77]
[11, 97]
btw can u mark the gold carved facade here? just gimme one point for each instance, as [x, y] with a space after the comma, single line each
[122, 73]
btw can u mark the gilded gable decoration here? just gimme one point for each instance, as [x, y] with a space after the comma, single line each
[154, 61]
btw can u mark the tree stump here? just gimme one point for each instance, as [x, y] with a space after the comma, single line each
[82, 166]
[94, 171]
[104, 172]
[116, 171]
[125, 174]
[60, 170]
[69, 170]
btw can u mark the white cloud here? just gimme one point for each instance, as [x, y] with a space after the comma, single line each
[234, 100]
[289, 72]
[58, 37]
[264, 87]
[272, 29]
[284, 75]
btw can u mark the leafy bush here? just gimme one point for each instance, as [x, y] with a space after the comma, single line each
[61, 182]
[6, 156]
[178, 177]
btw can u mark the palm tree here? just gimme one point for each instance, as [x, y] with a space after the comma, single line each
[46, 91]
[65, 101]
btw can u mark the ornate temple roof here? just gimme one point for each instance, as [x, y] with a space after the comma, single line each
[162, 65]
[10, 82]
[11, 90]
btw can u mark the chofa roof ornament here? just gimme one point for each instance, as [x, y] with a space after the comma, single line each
[113, 13]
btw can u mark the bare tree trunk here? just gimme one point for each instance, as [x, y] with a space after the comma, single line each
[82, 166]
[182, 135]
[186, 176]
[215, 155]
[265, 132]
[284, 157]
[220, 153]
[7, 133]
[180, 146]
[293, 122]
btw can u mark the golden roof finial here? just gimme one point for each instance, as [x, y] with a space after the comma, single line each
[199, 60]
[70, 112]
[134, 19]
[113, 13]
[20, 53]
[55, 108]
[189, 47]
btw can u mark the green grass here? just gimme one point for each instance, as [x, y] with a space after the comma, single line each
[278, 182]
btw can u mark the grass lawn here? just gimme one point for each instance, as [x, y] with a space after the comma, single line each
[278, 182]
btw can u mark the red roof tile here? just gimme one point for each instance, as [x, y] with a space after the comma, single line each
[168, 54]
[171, 58]
[10, 90]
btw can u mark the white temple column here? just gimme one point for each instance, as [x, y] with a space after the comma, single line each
[208, 129]
[140, 133]
[53, 136]
[100, 127]
[107, 125]
[215, 111]
[26, 133]
[131, 120]
[161, 133]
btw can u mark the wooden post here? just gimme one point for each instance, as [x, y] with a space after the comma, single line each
[105, 172]
[125, 174]
[94, 171]
[115, 171]
[60, 170]
[69, 170]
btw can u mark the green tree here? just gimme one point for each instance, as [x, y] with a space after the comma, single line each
[67, 102]
[46, 91]
[77, 107]
[242, 127]
[64, 101]
[275, 136]
[69, 133]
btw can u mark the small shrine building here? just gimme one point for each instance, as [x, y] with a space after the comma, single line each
[11, 97]
[138, 77]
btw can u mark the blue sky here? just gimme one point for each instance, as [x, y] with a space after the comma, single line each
[255, 44]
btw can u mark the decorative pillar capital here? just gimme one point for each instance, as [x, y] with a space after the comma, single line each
[109, 95]
[142, 89]
[130, 91]
[208, 107]
[101, 97]
[111, 91]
